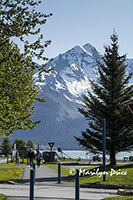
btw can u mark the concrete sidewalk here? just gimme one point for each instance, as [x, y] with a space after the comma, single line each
[54, 192]
[44, 175]
[47, 187]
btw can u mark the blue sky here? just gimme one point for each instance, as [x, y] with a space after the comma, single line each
[77, 22]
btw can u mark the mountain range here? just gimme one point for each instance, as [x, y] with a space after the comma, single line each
[63, 88]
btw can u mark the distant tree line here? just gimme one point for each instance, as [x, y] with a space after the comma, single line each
[20, 145]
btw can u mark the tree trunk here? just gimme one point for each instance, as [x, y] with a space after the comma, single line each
[112, 157]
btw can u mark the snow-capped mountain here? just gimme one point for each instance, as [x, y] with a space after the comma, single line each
[63, 88]
[129, 63]
[71, 72]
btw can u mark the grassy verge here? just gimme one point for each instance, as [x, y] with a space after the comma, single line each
[120, 198]
[121, 174]
[11, 172]
[64, 171]
[3, 197]
[118, 175]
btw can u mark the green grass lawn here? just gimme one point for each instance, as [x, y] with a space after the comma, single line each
[3, 197]
[120, 198]
[120, 174]
[11, 172]
[64, 170]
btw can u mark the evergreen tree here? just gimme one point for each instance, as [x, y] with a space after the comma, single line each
[109, 100]
[6, 147]
[17, 90]
[20, 144]
[30, 144]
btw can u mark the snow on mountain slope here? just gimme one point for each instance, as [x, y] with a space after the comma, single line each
[71, 72]
[129, 63]
[63, 88]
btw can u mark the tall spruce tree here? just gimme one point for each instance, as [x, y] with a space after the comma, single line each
[109, 100]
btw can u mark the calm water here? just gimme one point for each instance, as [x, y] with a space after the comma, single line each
[88, 155]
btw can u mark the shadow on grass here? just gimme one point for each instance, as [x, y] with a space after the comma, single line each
[45, 180]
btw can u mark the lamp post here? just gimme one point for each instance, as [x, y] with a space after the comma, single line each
[104, 150]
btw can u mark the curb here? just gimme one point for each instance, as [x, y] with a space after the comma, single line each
[105, 186]
[8, 182]
[125, 192]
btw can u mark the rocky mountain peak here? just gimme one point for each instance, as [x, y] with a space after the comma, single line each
[63, 89]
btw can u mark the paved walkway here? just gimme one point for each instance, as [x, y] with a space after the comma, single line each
[44, 175]
[47, 187]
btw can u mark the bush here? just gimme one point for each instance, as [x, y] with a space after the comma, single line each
[3, 197]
